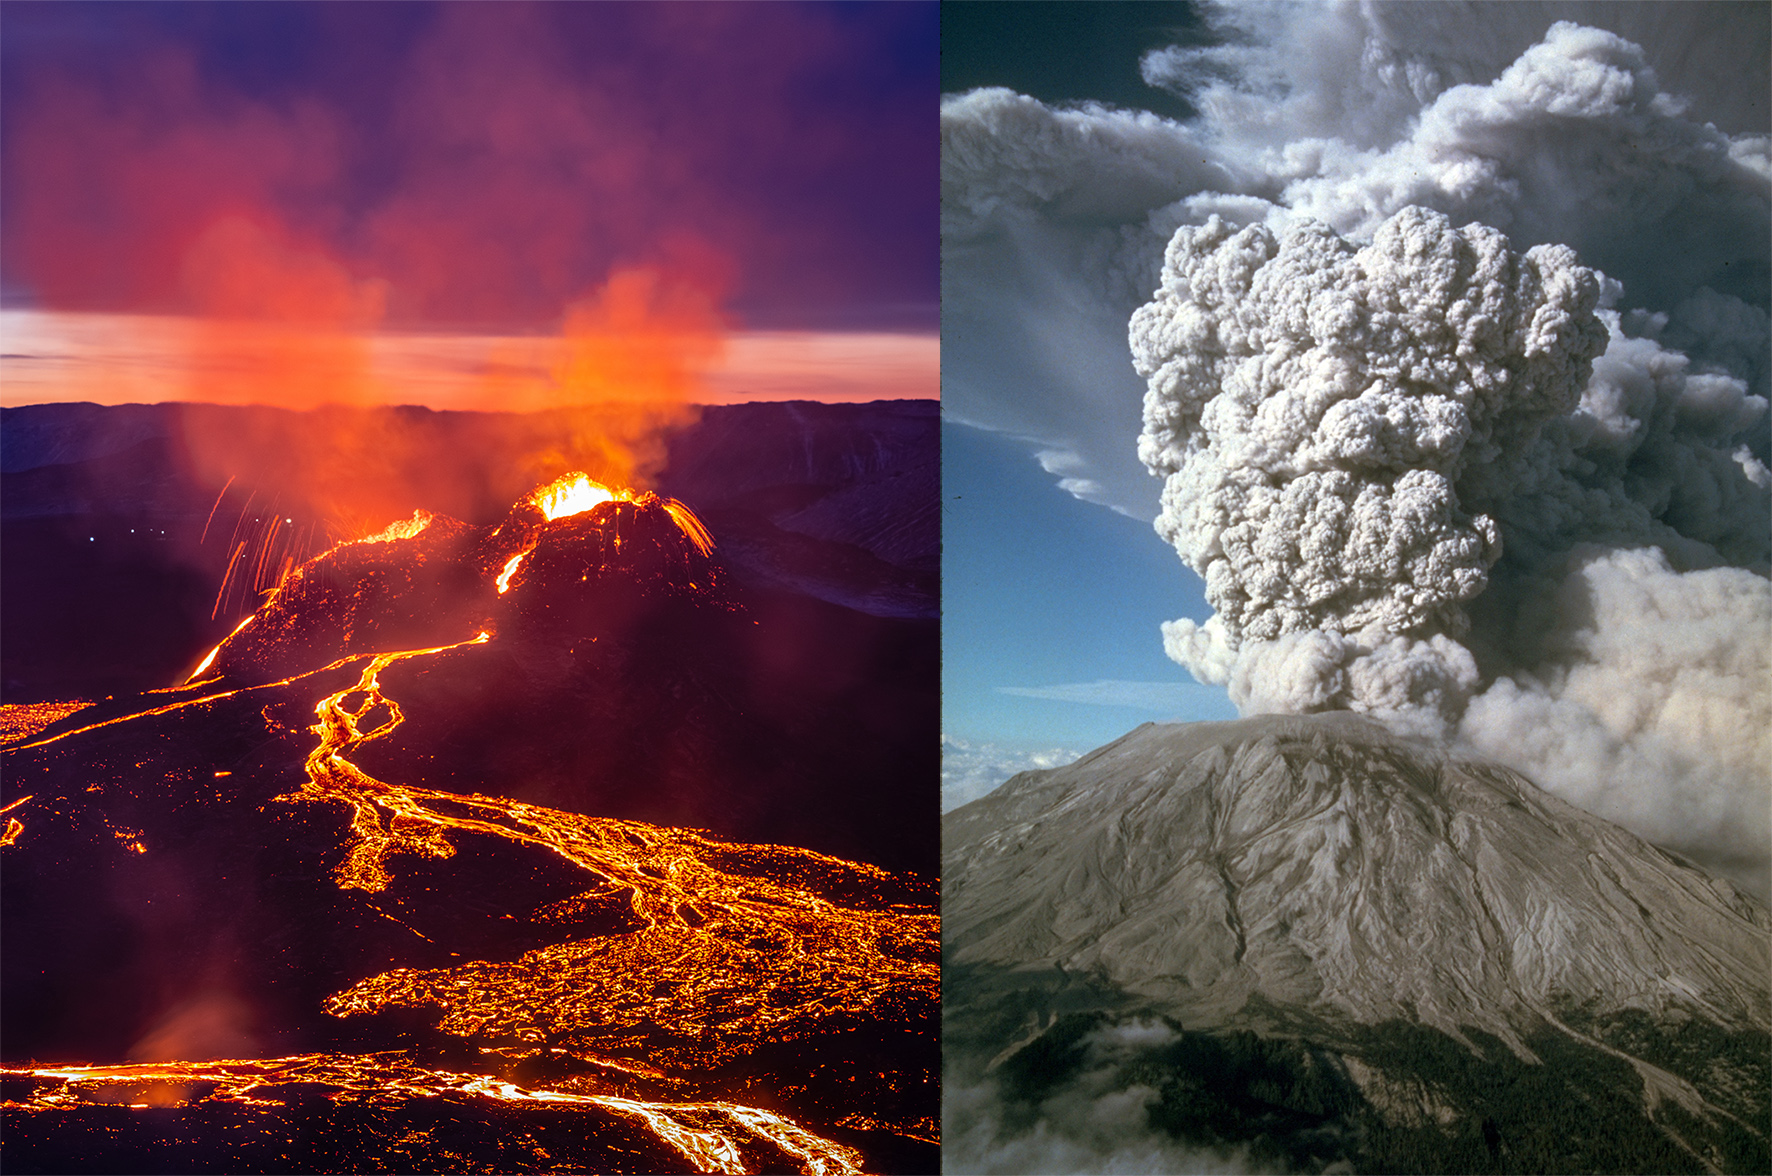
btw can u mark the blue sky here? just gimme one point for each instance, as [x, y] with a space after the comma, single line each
[1051, 605]
[1043, 592]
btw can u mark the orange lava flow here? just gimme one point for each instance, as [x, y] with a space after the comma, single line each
[575, 493]
[400, 528]
[24, 719]
[511, 566]
[721, 957]
[209, 660]
[14, 826]
[184, 702]
[158, 710]
[705, 1134]
[719, 947]
[332, 777]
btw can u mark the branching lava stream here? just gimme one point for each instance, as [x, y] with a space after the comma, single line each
[708, 1135]
[675, 970]
[719, 961]
[727, 946]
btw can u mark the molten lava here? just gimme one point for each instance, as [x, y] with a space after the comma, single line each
[14, 826]
[574, 494]
[511, 566]
[24, 719]
[722, 957]
[650, 978]
[706, 1136]
[401, 528]
[720, 948]
[209, 658]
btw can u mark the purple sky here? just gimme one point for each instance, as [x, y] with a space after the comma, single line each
[470, 164]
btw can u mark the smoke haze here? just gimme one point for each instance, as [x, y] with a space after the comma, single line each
[466, 164]
[300, 206]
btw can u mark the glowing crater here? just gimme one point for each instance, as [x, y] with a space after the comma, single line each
[575, 493]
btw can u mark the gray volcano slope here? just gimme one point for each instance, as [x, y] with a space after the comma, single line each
[1409, 927]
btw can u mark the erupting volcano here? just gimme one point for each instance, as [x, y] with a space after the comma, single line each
[400, 875]
[430, 579]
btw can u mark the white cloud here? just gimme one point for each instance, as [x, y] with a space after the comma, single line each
[971, 770]
[1172, 699]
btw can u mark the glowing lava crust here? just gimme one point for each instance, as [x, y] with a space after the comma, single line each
[260, 867]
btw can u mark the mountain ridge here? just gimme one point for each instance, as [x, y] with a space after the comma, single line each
[1349, 906]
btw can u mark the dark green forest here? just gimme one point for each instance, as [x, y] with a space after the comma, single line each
[1288, 1097]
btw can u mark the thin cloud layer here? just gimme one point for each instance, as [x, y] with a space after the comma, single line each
[1167, 698]
[971, 770]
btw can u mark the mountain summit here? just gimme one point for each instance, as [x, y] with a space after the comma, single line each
[1432, 960]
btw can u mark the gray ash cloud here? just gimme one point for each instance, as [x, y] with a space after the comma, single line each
[1458, 372]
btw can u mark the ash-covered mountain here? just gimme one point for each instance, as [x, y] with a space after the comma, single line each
[1304, 942]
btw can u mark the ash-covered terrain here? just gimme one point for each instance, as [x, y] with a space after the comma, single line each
[1304, 943]
[551, 838]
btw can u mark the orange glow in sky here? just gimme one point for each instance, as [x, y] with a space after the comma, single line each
[56, 357]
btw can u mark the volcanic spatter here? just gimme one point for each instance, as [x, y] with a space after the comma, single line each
[574, 551]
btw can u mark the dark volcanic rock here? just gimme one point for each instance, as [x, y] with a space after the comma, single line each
[625, 679]
[421, 844]
[120, 521]
[207, 878]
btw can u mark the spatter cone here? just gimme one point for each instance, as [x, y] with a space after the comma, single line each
[579, 564]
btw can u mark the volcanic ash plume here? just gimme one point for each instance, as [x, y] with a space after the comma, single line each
[1312, 407]
[1351, 438]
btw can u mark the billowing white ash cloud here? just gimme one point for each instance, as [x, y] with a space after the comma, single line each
[1352, 437]
[1641, 144]
[1574, 142]
[1312, 406]
[1567, 567]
